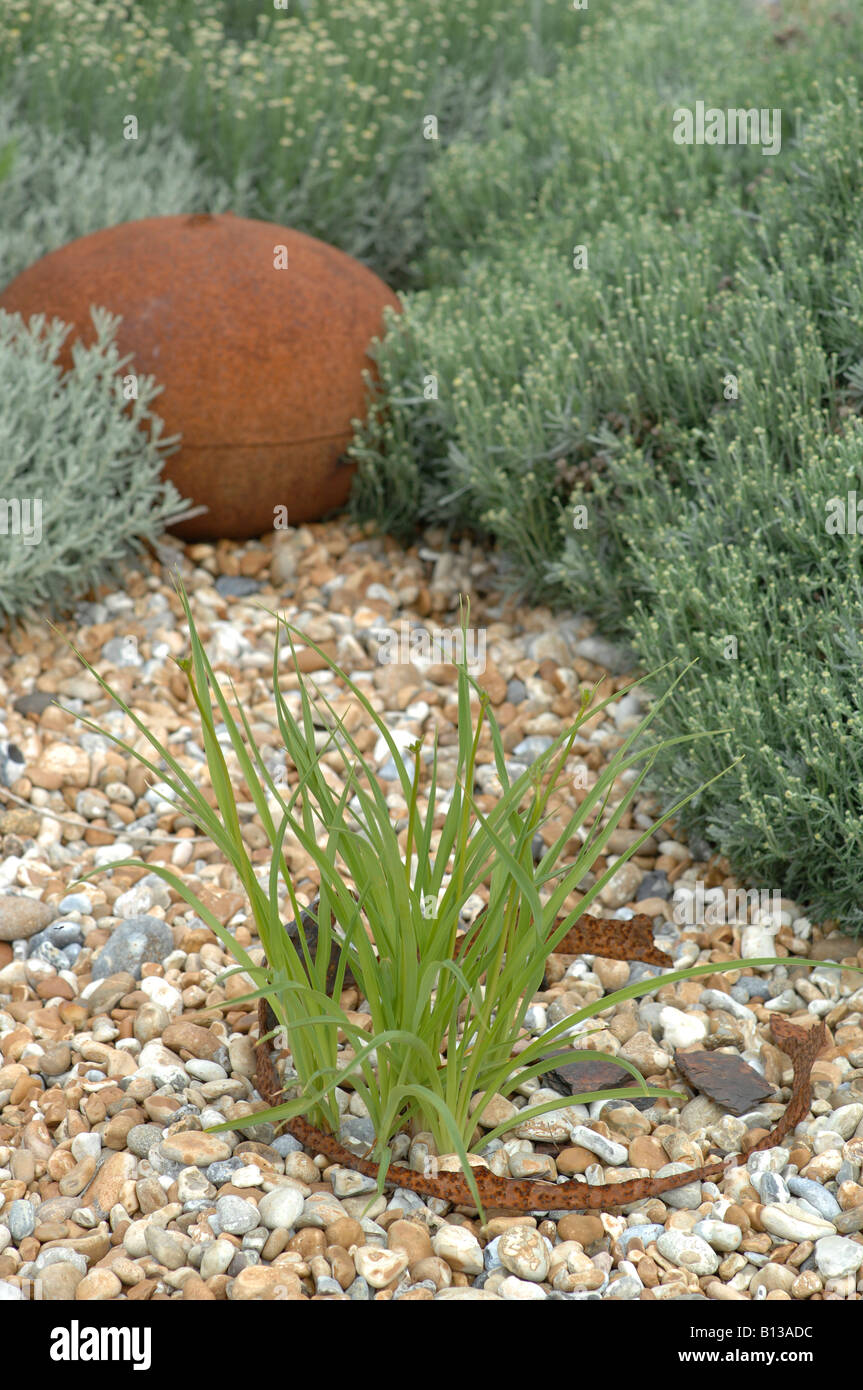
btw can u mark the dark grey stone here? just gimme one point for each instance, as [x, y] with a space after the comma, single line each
[654, 885]
[222, 1170]
[816, 1195]
[357, 1133]
[754, 987]
[142, 1138]
[34, 703]
[131, 944]
[285, 1144]
[237, 586]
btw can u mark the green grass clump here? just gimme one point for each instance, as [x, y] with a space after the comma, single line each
[446, 1008]
[80, 484]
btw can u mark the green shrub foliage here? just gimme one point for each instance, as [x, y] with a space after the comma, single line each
[80, 485]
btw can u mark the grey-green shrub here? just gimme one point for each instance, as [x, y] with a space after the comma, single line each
[320, 105]
[58, 188]
[706, 516]
[80, 485]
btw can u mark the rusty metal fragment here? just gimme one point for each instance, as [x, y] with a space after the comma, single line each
[725, 1079]
[579, 1078]
[613, 939]
[524, 1194]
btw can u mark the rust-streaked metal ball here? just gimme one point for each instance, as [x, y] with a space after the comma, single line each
[258, 335]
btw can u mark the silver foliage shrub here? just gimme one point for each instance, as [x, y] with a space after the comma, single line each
[80, 484]
[57, 188]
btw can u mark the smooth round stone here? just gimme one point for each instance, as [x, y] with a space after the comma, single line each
[817, 1196]
[202, 1070]
[770, 1278]
[56, 1209]
[194, 1147]
[836, 1256]
[699, 1114]
[757, 942]
[688, 1252]
[281, 1208]
[76, 902]
[170, 1248]
[321, 1209]
[217, 1258]
[150, 1022]
[158, 1064]
[627, 1287]
[460, 1249]
[685, 1198]
[720, 1235]
[347, 1183]
[20, 1217]
[753, 987]
[521, 1290]
[285, 1144]
[142, 1138]
[248, 1176]
[680, 1029]
[86, 1146]
[792, 1222]
[301, 1167]
[21, 918]
[379, 1267]
[490, 1256]
[131, 944]
[843, 1121]
[62, 934]
[615, 1154]
[238, 586]
[58, 1282]
[525, 1253]
[236, 1216]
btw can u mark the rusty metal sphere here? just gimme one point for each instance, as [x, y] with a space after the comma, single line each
[259, 336]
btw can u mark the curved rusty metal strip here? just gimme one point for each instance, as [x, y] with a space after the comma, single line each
[523, 1194]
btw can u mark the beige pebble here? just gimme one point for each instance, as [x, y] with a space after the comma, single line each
[105, 1190]
[584, 1229]
[99, 1285]
[260, 1283]
[127, 1271]
[379, 1267]
[433, 1268]
[646, 1152]
[411, 1238]
[78, 1177]
[613, 973]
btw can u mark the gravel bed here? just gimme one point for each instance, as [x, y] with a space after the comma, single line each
[119, 1047]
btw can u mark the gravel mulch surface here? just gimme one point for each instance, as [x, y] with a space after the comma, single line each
[118, 1048]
